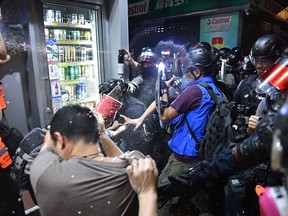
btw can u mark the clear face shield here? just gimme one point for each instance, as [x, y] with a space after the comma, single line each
[279, 153]
[273, 84]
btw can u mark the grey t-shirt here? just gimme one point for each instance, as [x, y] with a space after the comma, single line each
[81, 186]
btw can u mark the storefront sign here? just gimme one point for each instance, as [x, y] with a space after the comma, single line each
[220, 30]
[150, 9]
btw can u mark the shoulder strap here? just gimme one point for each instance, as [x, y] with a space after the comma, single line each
[216, 99]
[191, 131]
[210, 91]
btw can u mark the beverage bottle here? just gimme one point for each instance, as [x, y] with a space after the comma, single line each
[56, 89]
[121, 53]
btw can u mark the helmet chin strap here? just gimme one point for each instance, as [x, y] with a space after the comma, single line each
[192, 72]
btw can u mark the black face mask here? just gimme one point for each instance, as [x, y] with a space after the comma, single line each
[150, 71]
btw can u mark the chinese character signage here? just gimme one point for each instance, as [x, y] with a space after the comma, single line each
[150, 9]
[220, 30]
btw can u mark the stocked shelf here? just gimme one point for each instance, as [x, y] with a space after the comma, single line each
[73, 42]
[68, 25]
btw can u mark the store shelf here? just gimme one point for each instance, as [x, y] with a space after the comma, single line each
[67, 25]
[78, 101]
[73, 42]
[73, 63]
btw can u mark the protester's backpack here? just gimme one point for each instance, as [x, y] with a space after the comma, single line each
[26, 152]
[216, 130]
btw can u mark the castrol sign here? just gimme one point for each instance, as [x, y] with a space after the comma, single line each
[138, 8]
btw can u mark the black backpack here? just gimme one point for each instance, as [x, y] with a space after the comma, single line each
[28, 149]
[217, 126]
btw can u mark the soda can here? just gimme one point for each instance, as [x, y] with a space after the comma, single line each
[49, 16]
[87, 35]
[73, 92]
[77, 35]
[78, 91]
[78, 53]
[67, 73]
[67, 53]
[82, 35]
[74, 18]
[83, 91]
[83, 53]
[61, 55]
[73, 53]
[81, 19]
[72, 72]
[56, 34]
[58, 16]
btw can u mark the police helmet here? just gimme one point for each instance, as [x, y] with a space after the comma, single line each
[203, 44]
[198, 57]
[234, 57]
[148, 56]
[223, 53]
[267, 46]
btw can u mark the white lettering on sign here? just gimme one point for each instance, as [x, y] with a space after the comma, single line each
[221, 28]
[138, 8]
[162, 4]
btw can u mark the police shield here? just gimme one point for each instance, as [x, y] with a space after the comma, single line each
[158, 93]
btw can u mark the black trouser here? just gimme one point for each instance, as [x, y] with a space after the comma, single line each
[11, 203]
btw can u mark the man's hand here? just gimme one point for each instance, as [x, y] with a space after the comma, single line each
[128, 121]
[143, 175]
[253, 120]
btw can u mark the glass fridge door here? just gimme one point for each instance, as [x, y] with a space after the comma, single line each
[72, 45]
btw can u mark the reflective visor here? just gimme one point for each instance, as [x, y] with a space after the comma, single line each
[276, 75]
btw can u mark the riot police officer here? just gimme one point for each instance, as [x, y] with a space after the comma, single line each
[254, 150]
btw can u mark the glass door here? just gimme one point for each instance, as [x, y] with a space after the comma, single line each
[71, 35]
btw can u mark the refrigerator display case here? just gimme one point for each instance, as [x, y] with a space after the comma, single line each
[72, 55]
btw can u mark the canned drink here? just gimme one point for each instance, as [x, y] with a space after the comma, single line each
[73, 92]
[72, 72]
[81, 19]
[74, 18]
[77, 34]
[82, 35]
[83, 53]
[67, 53]
[57, 34]
[87, 35]
[73, 53]
[61, 55]
[78, 53]
[58, 16]
[49, 15]
[83, 91]
[67, 73]
[79, 91]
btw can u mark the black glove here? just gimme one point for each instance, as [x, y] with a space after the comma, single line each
[177, 83]
[178, 186]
